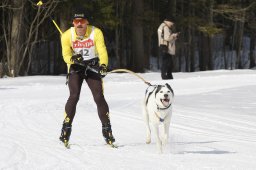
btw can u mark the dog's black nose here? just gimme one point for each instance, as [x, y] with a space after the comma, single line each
[165, 95]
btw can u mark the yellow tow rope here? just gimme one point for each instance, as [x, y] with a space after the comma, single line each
[131, 72]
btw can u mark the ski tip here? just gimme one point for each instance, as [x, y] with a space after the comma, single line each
[113, 145]
[66, 144]
[110, 143]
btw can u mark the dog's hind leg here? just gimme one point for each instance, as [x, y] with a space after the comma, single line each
[148, 131]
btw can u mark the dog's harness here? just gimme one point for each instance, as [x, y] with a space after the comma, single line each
[160, 119]
[158, 108]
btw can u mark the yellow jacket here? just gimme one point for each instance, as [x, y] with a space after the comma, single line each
[100, 47]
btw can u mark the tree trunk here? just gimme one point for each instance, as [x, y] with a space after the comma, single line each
[147, 46]
[209, 37]
[203, 53]
[239, 44]
[252, 50]
[192, 51]
[210, 57]
[171, 9]
[14, 38]
[137, 37]
[117, 35]
[181, 38]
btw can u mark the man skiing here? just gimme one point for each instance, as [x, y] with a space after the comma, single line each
[84, 51]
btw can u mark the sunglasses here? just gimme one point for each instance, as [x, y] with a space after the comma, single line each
[81, 21]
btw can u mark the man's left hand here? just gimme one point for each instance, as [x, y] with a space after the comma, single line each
[103, 70]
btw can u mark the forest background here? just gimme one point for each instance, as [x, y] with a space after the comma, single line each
[215, 34]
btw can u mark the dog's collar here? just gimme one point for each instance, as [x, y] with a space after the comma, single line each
[160, 119]
[159, 108]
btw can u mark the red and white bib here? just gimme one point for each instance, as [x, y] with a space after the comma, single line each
[85, 47]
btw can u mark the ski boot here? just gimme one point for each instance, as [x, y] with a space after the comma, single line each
[107, 134]
[65, 134]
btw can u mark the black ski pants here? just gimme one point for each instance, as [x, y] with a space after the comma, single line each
[75, 81]
[167, 63]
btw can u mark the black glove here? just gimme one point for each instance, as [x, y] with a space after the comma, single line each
[77, 59]
[103, 70]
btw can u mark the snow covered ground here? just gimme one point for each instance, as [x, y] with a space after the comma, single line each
[213, 125]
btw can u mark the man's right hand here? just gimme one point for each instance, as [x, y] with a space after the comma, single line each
[77, 59]
[177, 34]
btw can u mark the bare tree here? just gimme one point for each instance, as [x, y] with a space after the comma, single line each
[238, 14]
[21, 32]
[3, 6]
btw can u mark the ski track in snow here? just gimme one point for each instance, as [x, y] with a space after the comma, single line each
[213, 124]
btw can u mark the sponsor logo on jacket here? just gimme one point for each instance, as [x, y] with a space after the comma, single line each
[83, 44]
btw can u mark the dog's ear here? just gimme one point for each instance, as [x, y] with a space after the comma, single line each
[158, 88]
[170, 88]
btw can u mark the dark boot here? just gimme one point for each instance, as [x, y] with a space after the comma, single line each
[65, 132]
[107, 133]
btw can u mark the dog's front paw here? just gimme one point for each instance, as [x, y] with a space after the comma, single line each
[148, 138]
[148, 141]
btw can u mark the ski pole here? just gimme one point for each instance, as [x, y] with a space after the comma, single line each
[39, 4]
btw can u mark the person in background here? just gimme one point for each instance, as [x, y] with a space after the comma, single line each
[166, 43]
[84, 51]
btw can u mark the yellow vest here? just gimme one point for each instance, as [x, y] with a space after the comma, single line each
[98, 41]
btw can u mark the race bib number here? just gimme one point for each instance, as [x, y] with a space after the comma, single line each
[86, 48]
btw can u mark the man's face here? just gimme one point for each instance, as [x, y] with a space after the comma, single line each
[80, 25]
[169, 23]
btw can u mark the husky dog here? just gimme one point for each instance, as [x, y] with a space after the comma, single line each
[157, 110]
